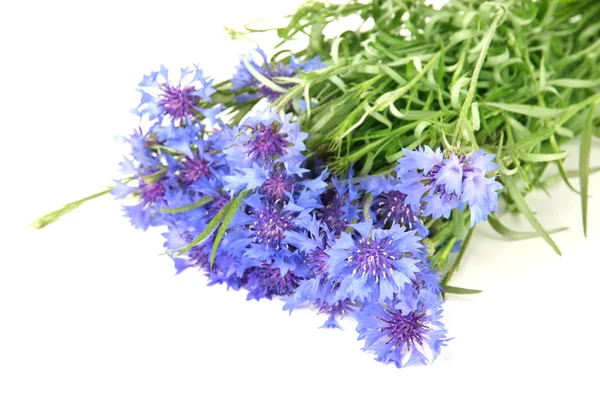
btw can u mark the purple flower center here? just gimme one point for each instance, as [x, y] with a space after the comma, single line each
[194, 169]
[277, 186]
[177, 102]
[151, 192]
[267, 143]
[270, 226]
[404, 329]
[317, 261]
[391, 207]
[372, 257]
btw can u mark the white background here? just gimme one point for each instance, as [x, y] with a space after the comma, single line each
[89, 307]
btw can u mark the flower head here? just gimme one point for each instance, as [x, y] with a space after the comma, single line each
[389, 205]
[373, 264]
[402, 334]
[266, 146]
[437, 185]
[175, 107]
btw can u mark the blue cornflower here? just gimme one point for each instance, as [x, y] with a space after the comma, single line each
[373, 264]
[270, 222]
[257, 238]
[279, 185]
[389, 204]
[243, 78]
[403, 334]
[175, 107]
[264, 142]
[437, 186]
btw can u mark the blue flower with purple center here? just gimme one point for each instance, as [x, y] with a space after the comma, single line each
[403, 334]
[373, 264]
[389, 205]
[264, 144]
[437, 185]
[278, 186]
[194, 169]
[175, 106]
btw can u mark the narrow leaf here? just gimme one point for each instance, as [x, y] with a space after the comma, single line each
[460, 290]
[210, 228]
[515, 194]
[262, 79]
[528, 110]
[235, 204]
[57, 214]
[463, 248]
[541, 157]
[573, 83]
[199, 203]
[585, 149]
[516, 235]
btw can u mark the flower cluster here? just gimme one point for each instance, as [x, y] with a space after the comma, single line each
[439, 185]
[244, 204]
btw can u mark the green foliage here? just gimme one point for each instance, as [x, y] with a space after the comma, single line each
[517, 78]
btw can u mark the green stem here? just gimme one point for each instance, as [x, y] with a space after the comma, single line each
[473, 85]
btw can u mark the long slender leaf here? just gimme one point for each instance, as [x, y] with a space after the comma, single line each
[463, 248]
[585, 150]
[516, 235]
[460, 290]
[541, 157]
[235, 204]
[515, 194]
[195, 205]
[527, 110]
[210, 228]
[51, 217]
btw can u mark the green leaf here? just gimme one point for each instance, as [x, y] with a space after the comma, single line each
[541, 157]
[527, 110]
[459, 290]
[585, 149]
[485, 45]
[448, 272]
[51, 217]
[516, 235]
[574, 83]
[154, 177]
[515, 194]
[199, 203]
[390, 97]
[264, 80]
[235, 204]
[210, 228]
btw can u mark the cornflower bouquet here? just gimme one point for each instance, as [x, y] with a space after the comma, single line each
[349, 176]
